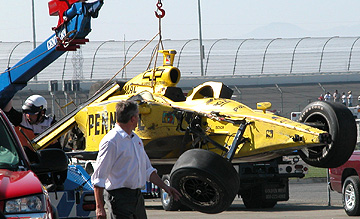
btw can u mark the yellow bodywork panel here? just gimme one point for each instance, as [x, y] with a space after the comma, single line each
[69, 121]
[166, 117]
[160, 118]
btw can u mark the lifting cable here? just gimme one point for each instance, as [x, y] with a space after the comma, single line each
[159, 16]
[156, 52]
[106, 83]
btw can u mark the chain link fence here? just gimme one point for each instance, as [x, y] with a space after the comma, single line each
[222, 57]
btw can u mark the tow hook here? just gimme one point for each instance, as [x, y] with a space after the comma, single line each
[325, 138]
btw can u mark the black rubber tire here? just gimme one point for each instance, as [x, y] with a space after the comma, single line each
[253, 199]
[168, 203]
[350, 196]
[208, 182]
[339, 122]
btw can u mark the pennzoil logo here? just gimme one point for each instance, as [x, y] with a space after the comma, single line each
[101, 123]
[168, 117]
[269, 133]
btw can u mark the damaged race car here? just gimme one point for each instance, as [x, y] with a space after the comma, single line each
[196, 138]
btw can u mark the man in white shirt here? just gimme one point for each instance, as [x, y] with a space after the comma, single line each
[327, 96]
[123, 167]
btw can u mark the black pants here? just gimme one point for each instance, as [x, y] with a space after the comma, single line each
[126, 203]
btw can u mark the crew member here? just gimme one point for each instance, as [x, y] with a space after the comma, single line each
[123, 167]
[28, 124]
[32, 120]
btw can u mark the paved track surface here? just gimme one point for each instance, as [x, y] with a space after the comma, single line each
[307, 200]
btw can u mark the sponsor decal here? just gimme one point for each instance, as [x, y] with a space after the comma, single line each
[217, 102]
[101, 123]
[149, 74]
[238, 107]
[269, 133]
[53, 40]
[168, 59]
[168, 117]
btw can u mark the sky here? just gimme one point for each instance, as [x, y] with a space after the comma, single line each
[232, 19]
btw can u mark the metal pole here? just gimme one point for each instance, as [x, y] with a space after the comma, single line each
[351, 52]
[237, 51]
[322, 52]
[237, 89]
[200, 40]
[322, 88]
[8, 65]
[124, 70]
[52, 103]
[93, 62]
[328, 186]
[263, 63]
[33, 27]
[282, 99]
[182, 48]
[207, 60]
[293, 55]
[62, 78]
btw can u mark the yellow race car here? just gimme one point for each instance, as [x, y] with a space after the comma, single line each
[197, 137]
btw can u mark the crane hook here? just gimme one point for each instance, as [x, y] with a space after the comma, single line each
[162, 14]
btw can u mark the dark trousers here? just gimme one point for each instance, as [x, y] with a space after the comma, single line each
[126, 203]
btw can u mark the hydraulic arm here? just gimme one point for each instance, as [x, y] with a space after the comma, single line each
[73, 27]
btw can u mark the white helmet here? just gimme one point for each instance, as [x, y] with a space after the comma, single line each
[34, 104]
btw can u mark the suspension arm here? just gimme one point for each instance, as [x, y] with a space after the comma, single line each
[199, 132]
[237, 140]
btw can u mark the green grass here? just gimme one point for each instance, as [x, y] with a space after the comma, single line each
[315, 172]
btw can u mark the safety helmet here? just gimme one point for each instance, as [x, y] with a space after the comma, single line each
[34, 104]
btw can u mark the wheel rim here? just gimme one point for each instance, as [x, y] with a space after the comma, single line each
[200, 191]
[349, 197]
[165, 196]
[319, 151]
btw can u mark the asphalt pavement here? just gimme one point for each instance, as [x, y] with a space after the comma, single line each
[308, 199]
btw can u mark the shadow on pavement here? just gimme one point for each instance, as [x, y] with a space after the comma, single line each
[285, 207]
[277, 208]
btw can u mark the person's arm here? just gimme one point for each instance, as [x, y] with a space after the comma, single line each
[154, 178]
[13, 115]
[99, 199]
[8, 106]
[104, 163]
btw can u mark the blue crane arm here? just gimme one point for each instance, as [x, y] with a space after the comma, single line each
[67, 37]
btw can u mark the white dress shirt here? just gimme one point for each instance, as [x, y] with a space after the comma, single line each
[121, 162]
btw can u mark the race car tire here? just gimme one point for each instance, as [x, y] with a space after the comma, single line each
[351, 196]
[339, 122]
[168, 203]
[208, 182]
[253, 199]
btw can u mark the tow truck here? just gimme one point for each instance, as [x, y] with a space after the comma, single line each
[206, 145]
[74, 24]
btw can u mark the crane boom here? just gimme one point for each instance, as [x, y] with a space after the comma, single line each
[68, 36]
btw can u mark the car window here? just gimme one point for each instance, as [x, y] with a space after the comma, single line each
[8, 154]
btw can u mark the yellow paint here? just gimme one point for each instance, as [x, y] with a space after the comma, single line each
[162, 119]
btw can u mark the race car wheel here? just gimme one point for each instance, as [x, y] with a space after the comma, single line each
[253, 199]
[168, 203]
[339, 122]
[350, 196]
[208, 182]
